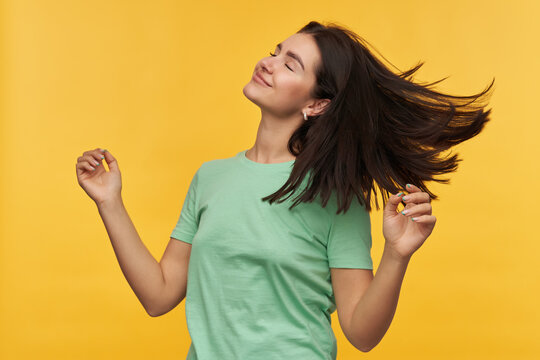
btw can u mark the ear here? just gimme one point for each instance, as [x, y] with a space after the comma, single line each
[318, 107]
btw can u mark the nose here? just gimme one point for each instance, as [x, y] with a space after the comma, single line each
[266, 65]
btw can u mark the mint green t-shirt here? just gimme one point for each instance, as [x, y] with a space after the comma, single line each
[259, 282]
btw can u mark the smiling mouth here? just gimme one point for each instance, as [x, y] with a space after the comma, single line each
[258, 77]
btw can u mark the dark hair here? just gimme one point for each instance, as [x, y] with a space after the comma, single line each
[379, 126]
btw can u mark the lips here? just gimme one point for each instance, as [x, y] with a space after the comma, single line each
[258, 74]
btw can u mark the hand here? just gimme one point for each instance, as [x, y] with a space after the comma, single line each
[403, 236]
[99, 184]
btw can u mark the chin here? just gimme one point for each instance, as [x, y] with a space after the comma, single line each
[250, 94]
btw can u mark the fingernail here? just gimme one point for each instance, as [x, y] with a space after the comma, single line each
[405, 212]
[408, 185]
[414, 219]
[405, 198]
[399, 193]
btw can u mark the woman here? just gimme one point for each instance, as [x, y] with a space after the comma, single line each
[266, 272]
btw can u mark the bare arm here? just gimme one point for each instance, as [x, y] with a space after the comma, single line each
[373, 314]
[158, 286]
[147, 277]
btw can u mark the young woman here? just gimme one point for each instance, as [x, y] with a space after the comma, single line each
[266, 271]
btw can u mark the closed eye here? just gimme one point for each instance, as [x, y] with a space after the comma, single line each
[271, 54]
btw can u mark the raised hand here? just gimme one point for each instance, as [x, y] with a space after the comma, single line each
[405, 233]
[101, 185]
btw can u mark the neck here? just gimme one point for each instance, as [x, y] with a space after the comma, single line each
[272, 137]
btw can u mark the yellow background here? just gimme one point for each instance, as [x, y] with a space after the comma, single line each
[159, 84]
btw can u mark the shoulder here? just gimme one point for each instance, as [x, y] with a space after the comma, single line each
[212, 169]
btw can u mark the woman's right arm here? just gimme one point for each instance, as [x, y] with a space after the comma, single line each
[141, 270]
[158, 286]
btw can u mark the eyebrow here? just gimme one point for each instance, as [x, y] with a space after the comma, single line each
[293, 55]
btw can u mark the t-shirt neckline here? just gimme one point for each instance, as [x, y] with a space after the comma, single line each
[287, 165]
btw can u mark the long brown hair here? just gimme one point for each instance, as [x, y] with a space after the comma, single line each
[379, 126]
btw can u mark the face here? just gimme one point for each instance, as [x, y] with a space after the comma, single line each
[290, 74]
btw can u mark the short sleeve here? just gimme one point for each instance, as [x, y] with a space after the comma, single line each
[349, 239]
[188, 222]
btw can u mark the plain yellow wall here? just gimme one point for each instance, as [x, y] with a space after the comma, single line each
[159, 84]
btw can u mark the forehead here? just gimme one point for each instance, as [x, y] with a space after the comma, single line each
[305, 46]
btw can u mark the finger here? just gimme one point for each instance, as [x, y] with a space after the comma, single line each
[417, 210]
[97, 155]
[393, 202]
[91, 161]
[83, 166]
[89, 151]
[93, 157]
[88, 162]
[111, 161]
[403, 202]
[425, 219]
[416, 197]
[412, 188]
[97, 152]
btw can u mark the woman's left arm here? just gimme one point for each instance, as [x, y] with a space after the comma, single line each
[404, 233]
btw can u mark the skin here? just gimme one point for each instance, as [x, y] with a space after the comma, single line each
[365, 303]
[282, 105]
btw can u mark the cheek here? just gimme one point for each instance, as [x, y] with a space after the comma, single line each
[288, 95]
[291, 87]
